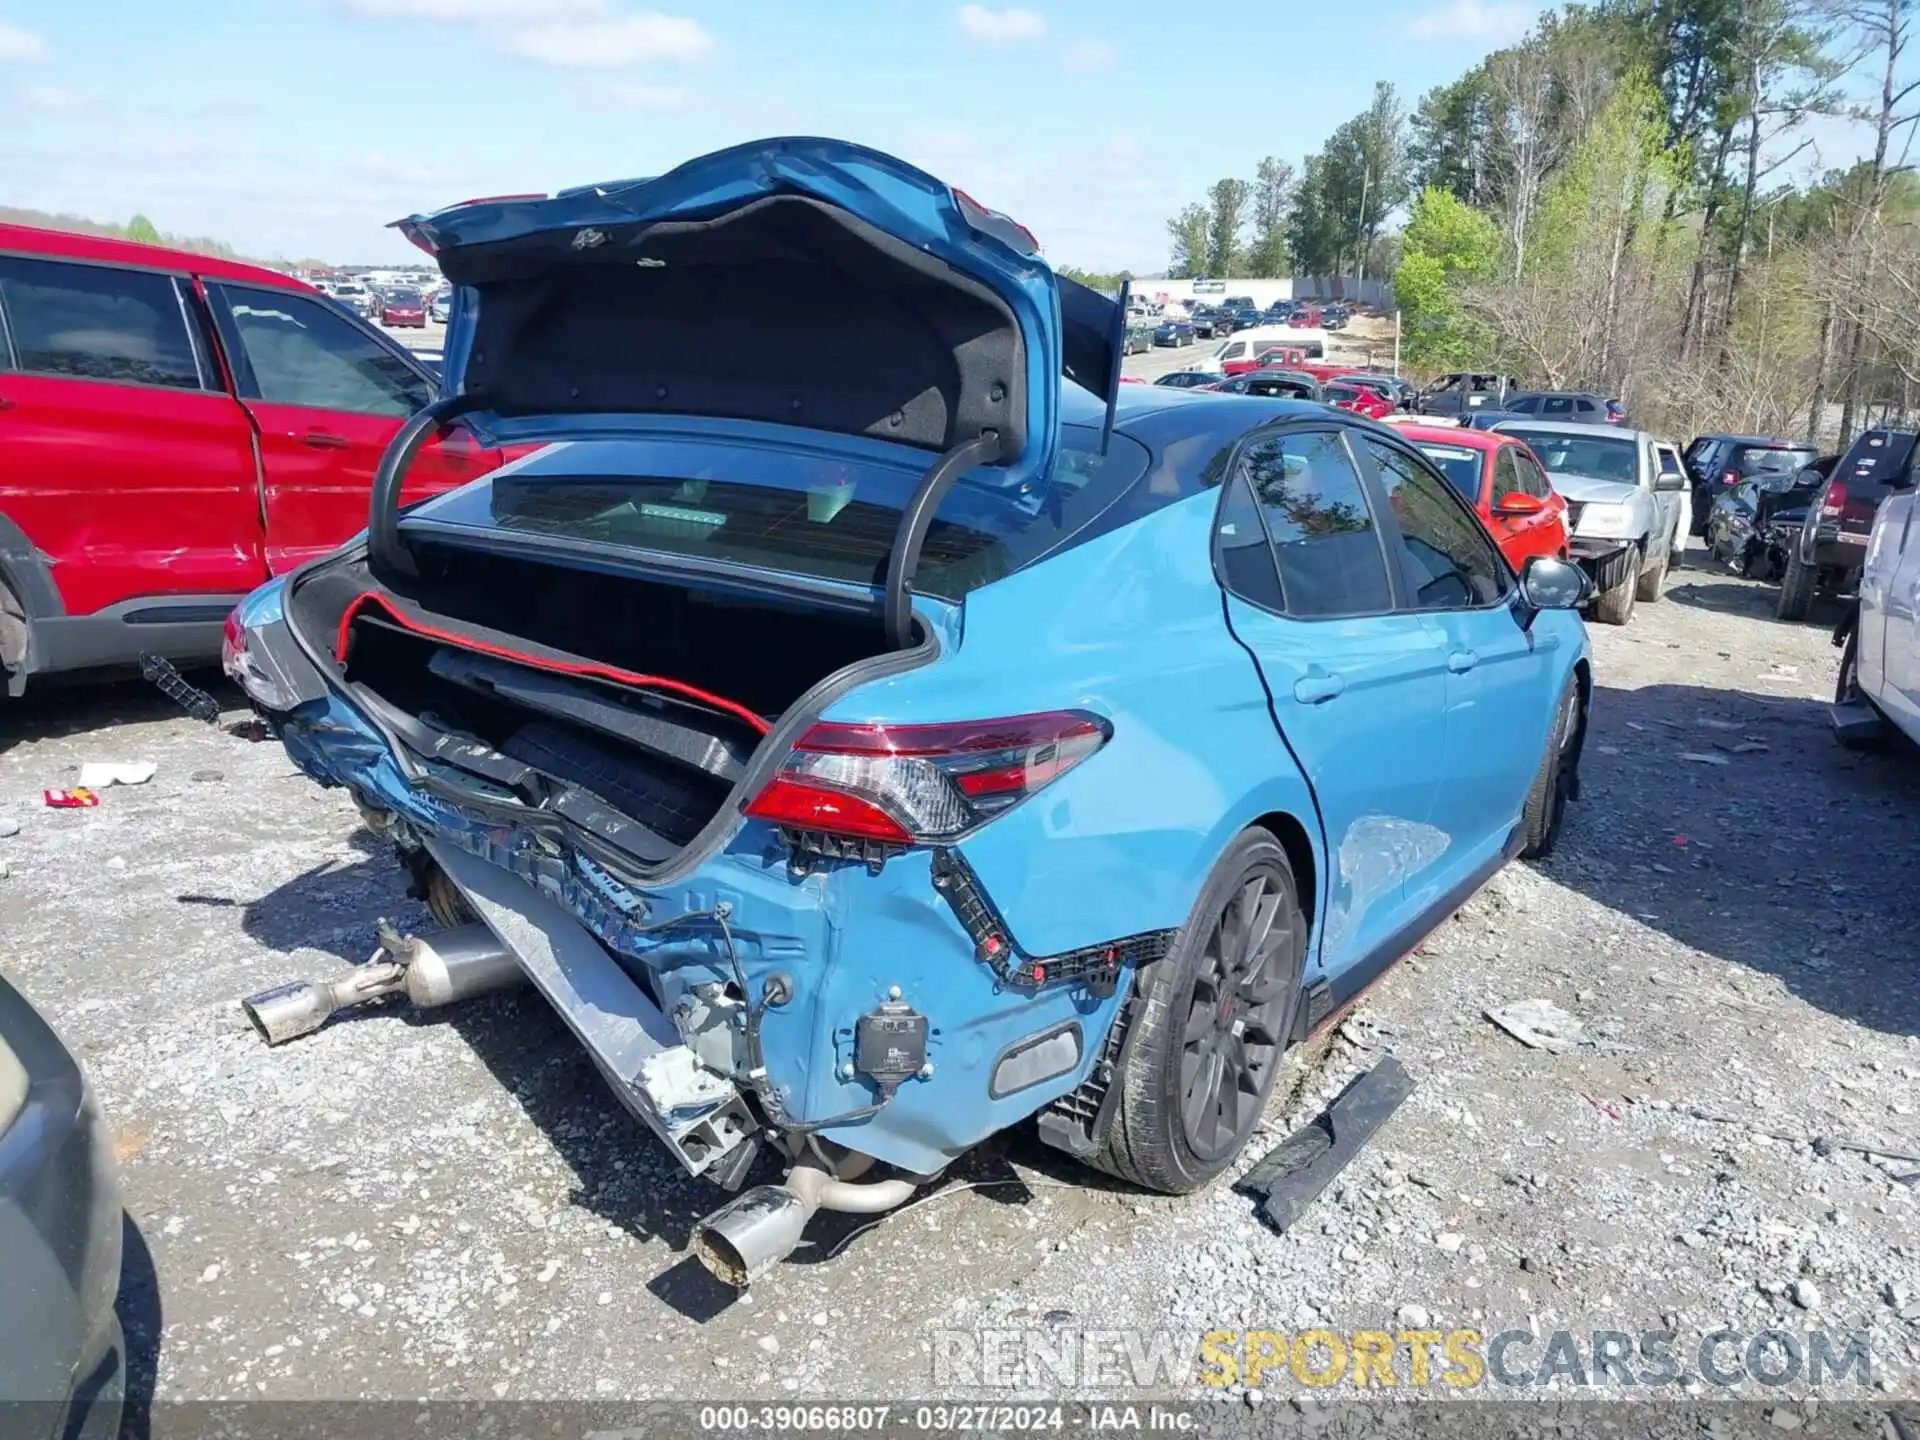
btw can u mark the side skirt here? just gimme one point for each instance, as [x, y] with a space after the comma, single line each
[1345, 989]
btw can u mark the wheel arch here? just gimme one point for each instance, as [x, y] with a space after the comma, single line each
[1293, 837]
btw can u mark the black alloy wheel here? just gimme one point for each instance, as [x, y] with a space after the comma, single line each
[1237, 1012]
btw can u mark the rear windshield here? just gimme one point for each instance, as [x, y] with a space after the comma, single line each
[1755, 461]
[800, 513]
[1460, 466]
[1598, 457]
[1878, 457]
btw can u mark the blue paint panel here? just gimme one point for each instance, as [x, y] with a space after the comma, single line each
[1128, 626]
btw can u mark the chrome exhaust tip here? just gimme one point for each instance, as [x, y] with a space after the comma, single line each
[429, 970]
[286, 1012]
[751, 1234]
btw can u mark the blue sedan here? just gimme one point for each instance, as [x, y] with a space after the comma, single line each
[865, 757]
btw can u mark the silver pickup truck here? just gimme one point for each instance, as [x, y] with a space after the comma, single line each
[1628, 506]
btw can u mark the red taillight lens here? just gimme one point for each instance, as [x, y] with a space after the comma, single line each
[233, 646]
[913, 784]
[1836, 499]
[1732, 477]
[810, 805]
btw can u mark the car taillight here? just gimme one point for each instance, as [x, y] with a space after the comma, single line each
[1835, 500]
[1732, 477]
[233, 644]
[261, 681]
[915, 784]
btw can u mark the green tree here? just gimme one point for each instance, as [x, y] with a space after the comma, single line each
[1272, 194]
[1447, 245]
[1226, 216]
[1449, 138]
[1314, 231]
[143, 230]
[1187, 233]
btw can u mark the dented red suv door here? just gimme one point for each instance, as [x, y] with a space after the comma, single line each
[326, 396]
[164, 448]
[127, 495]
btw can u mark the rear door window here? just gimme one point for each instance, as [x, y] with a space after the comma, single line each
[301, 352]
[1557, 405]
[98, 322]
[1324, 539]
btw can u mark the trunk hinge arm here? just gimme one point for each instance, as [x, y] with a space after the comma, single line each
[385, 550]
[904, 559]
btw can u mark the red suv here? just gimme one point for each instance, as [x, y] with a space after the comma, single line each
[174, 429]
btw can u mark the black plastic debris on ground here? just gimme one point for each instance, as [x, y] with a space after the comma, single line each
[196, 702]
[1292, 1175]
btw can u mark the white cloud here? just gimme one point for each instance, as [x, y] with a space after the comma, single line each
[979, 23]
[381, 166]
[52, 100]
[495, 11]
[1090, 55]
[612, 43]
[18, 44]
[649, 97]
[572, 34]
[1485, 22]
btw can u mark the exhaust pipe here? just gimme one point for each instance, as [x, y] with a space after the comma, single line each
[429, 970]
[758, 1229]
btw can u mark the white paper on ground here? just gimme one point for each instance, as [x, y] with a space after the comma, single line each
[98, 774]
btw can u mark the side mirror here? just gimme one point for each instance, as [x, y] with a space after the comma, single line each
[1518, 502]
[1666, 480]
[1549, 583]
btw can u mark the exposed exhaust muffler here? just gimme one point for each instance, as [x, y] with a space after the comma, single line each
[430, 970]
[759, 1228]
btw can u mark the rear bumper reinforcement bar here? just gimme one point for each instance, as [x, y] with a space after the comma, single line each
[621, 1028]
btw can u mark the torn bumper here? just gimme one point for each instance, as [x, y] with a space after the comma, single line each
[838, 943]
[1604, 560]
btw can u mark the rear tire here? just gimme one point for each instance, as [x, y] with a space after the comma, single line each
[1615, 607]
[1796, 590]
[1651, 582]
[1212, 1020]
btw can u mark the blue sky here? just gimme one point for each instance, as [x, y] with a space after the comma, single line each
[300, 127]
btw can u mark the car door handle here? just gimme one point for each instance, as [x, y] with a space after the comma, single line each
[325, 440]
[5, 403]
[1318, 689]
[1461, 661]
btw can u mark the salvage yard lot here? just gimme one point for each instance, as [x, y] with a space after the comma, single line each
[455, 1205]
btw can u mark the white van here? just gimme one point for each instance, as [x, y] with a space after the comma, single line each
[1246, 344]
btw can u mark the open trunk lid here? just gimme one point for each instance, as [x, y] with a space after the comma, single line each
[803, 284]
[800, 282]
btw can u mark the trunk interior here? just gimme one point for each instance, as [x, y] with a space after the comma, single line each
[537, 663]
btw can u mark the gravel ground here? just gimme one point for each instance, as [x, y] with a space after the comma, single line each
[454, 1206]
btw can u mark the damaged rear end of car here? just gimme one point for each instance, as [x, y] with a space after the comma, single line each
[643, 703]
